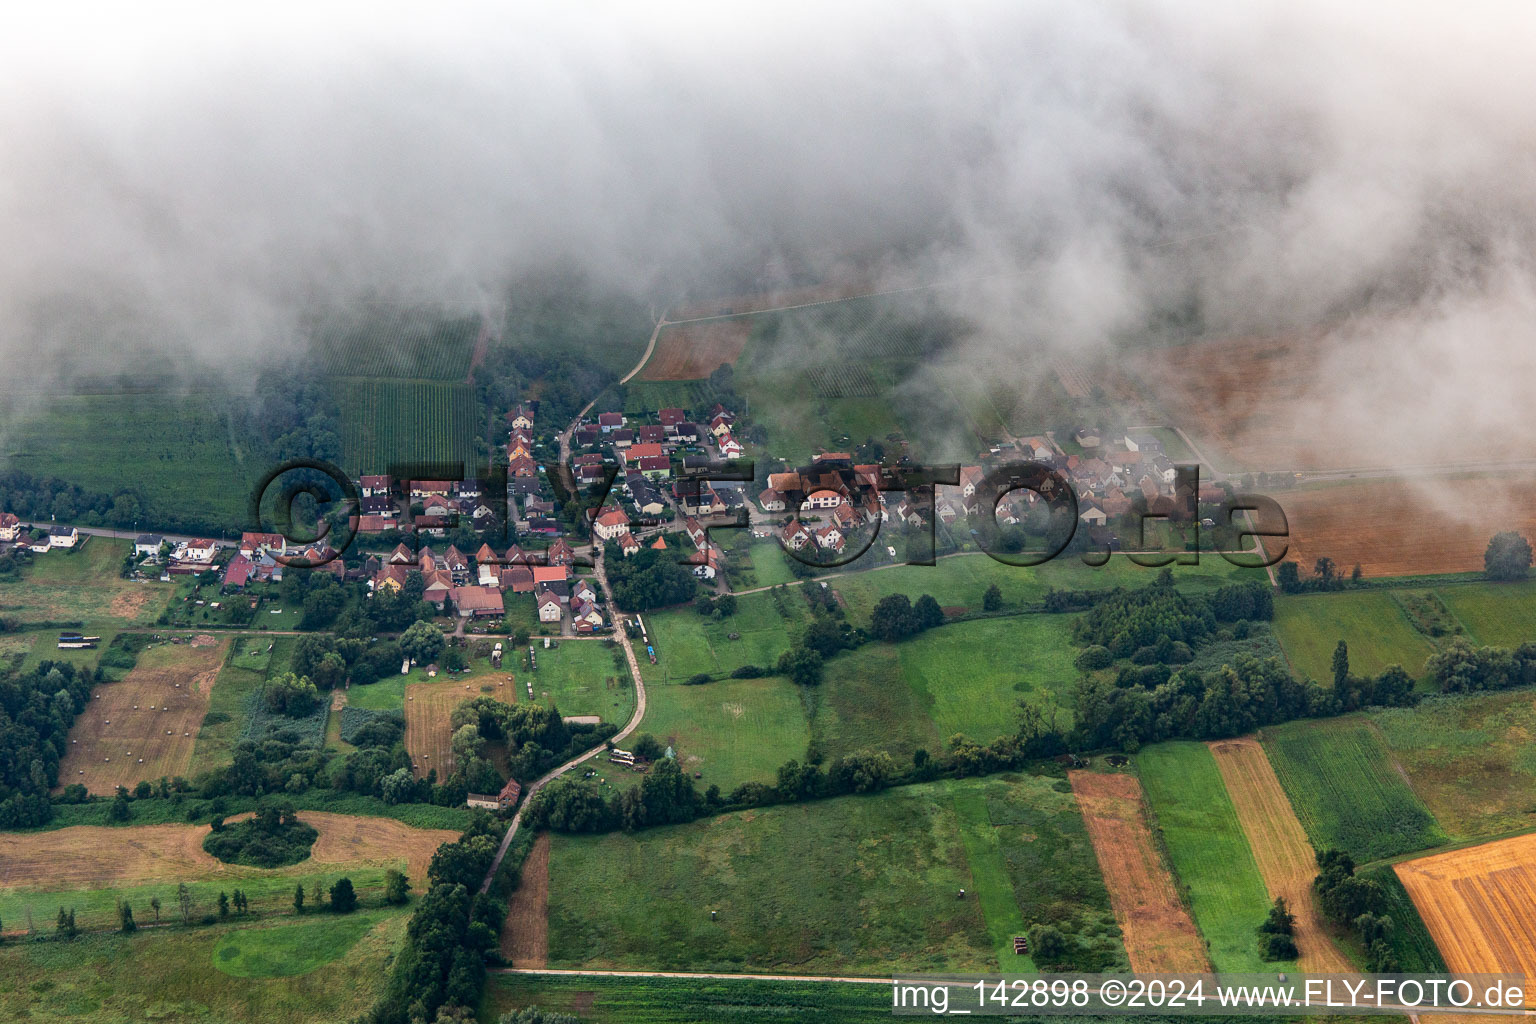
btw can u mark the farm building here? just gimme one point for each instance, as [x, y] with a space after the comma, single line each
[477, 602]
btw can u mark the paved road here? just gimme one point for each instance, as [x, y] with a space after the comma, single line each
[174, 538]
[621, 635]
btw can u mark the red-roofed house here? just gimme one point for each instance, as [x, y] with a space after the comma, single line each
[610, 523]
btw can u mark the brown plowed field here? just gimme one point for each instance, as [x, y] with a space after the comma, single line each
[1392, 528]
[1280, 847]
[1159, 934]
[1479, 905]
[692, 351]
[428, 729]
[1238, 397]
[147, 717]
[89, 856]
[525, 934]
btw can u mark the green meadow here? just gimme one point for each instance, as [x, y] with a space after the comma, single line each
[859, 884]
[1198, 826]
[1310, 626]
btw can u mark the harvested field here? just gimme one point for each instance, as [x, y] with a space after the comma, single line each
[146, 725]
[1479, 904]
[692, 351]
[91, 856]
[1239, 395]
[1285, 858]
[525, 933]
[428, 708]
[1391, 529]
[1158, 932]
[776, 299]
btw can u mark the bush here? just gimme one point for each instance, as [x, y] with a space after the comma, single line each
[343, 897]
[697, 679]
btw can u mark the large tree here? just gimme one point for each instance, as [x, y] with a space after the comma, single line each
[1508, 557]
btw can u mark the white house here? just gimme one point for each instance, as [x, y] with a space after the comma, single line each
[610, 524]
[147, 545]
[199, 550]
[549, 608]
[10, 526]
[62, 536]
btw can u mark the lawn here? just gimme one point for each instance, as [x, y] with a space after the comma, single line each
[860, 885]
[1469, 758]
[1310, 626]
[760, 563]
[1499, 614]
[1346, 790]
[688, 643]
[1198, 826]
[157, 975]
[83, 586]
[580, 677]
[731, 731]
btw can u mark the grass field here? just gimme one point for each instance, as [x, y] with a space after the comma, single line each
[1195, 819]
[429, 708]
[1469, 758]
[689, 1000]
[1286, 860]
[156, 975]
[1310, 626]
[145, 726]
[1159, 934]
[384, 422]
[1347, 791]
[1498, 614]
[959, 581]
[181, 456]
[731, 731]
[1479, 904]
[853, 885]
[972, 675]
[83, 585]
[688, 643]
[580, 677]
[965, 677]
[289, 950]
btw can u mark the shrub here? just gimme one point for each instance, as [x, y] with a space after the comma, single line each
[274, 838]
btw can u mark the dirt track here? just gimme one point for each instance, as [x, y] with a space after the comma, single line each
[1159, 934]
[1479, 905]
[146, 725]
[1280, 847]
[525, 934]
